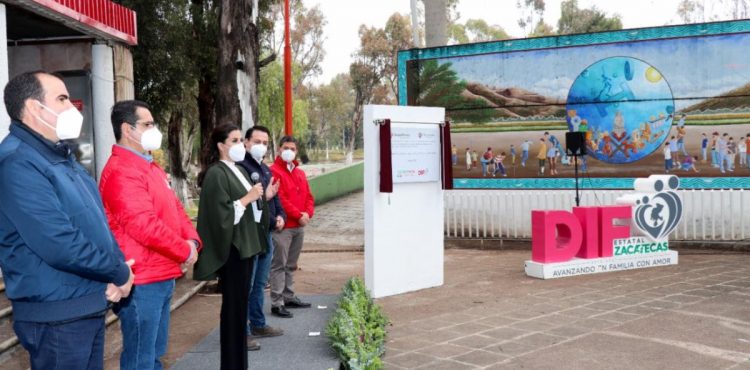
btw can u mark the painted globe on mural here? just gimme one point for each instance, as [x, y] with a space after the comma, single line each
[624, 105]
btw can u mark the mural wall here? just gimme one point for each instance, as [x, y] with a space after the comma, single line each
[659, 100]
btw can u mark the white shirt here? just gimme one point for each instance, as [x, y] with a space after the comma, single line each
[239, 209]
[667, 153]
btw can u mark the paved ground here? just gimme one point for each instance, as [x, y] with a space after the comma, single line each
[303, 345]
[337, 225]
[488, 314]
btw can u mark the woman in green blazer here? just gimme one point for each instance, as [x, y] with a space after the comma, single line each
[232, 228]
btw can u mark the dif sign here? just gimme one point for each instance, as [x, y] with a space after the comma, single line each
[628, 235]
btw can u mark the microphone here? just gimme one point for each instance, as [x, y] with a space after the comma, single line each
[255, 178]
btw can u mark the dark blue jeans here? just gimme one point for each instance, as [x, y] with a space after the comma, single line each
[73, 345]
[257, 285]
[144, 320]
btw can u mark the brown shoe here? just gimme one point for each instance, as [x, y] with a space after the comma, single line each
[266, 331]
[253, 345]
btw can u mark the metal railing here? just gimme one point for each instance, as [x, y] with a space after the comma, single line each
[708, 215]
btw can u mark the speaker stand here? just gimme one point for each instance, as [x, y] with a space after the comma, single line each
[578, 198]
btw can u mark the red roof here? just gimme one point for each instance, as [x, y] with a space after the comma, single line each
[101, 17]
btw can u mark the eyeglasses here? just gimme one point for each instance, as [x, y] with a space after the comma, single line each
[147, 125]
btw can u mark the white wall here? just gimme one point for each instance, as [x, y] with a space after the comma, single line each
[103, 93]
[403, 229]
[4, 119]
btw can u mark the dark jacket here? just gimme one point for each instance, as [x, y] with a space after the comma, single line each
[274, 206]
[57, 253]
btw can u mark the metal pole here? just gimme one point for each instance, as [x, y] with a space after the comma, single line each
[287, 73]
[578, 199]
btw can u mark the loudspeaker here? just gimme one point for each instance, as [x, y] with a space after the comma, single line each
[575, 142]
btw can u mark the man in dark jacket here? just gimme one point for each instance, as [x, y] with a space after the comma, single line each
[59, 259]
[256, 143]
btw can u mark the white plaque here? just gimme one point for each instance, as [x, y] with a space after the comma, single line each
[415, 153]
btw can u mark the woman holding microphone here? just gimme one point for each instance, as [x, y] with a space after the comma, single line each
[232, 224]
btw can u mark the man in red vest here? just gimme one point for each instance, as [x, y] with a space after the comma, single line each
[298, 203]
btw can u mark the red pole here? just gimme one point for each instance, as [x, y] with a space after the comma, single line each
[287, 73]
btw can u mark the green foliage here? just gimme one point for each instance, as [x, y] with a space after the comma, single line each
[475, 30]
[576, 20]
[532, 12]
[439, 86]
[357, 328]
[330, 110]
[271, 103]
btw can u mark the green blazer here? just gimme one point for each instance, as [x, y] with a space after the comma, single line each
[216, 222]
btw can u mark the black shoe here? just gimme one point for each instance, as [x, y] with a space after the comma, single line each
[281, 312]
[296, 303]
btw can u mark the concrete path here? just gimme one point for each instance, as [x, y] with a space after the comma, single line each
[490, 315]
[337, 225]
[303, 345]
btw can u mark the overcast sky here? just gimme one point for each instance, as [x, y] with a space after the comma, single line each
[345, 16]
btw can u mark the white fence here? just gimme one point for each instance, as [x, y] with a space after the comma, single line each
[707, 214]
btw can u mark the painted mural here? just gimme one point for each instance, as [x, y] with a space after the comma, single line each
[660, 100]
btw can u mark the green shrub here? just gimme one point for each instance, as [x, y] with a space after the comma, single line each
[357, 328]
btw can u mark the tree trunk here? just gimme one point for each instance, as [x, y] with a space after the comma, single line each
[207, 82]
[206, 107]
[174, 149]
[356, 121]
[237, 95]
[436, 22]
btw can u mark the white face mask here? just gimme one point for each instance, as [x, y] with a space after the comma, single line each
[258, 151]
[288, 155]
[68, 125]
[237, 152]
[150, 139]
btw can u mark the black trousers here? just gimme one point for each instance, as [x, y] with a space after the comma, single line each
[234, 278]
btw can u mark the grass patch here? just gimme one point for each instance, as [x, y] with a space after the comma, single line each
[357, 328]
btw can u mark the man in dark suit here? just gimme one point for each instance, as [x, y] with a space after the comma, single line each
[256, 144]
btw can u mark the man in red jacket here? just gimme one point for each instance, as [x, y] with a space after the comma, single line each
[151, 227]
[298, 203]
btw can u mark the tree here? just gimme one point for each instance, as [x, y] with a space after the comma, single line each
[475, 30]
[375, 63]
[307, 41]
[532, 13]
[237, 78]
[330, 109]
[365, 76]
[576, 20]
[397, 37]
[542, 29]
[271, 104]
[171, 49]
[693, 11]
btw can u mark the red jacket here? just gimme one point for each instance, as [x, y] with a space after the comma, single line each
[294, 192]
[145, 216]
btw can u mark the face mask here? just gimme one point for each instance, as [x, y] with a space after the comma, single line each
[288, 155]
[258, 151]
[151, 139]
[68, 125]
[237, 152]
